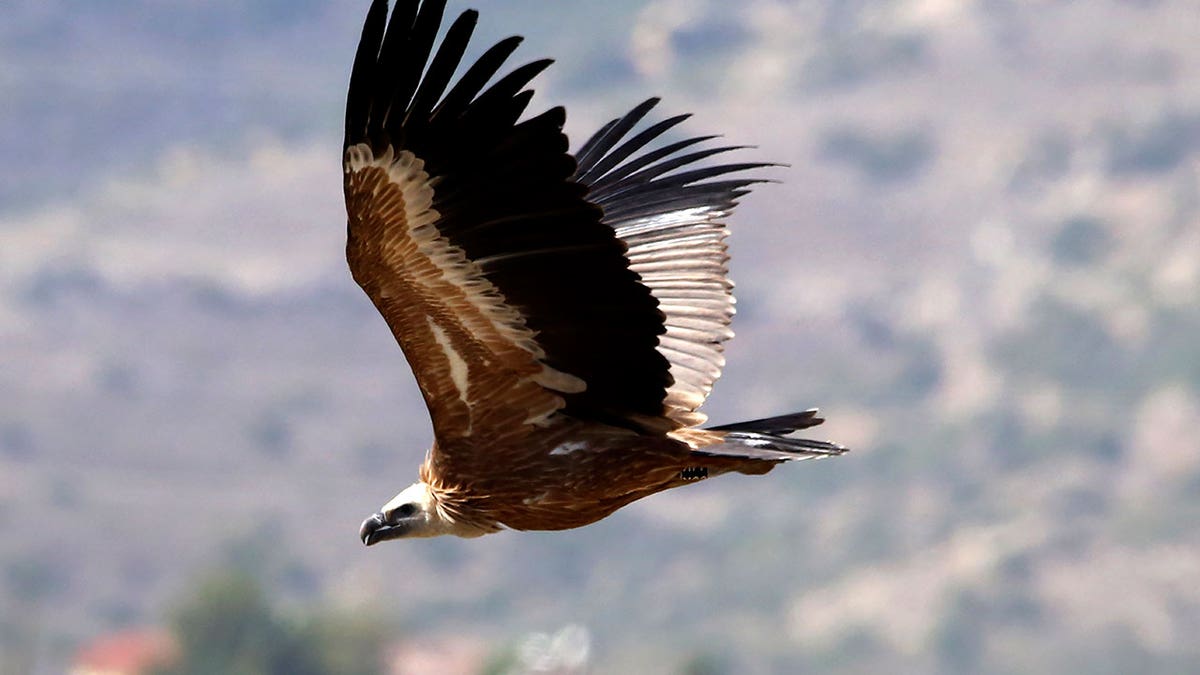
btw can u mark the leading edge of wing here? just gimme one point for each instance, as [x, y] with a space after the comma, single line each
[502, 204]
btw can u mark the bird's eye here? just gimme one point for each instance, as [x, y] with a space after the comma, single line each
[406, 510]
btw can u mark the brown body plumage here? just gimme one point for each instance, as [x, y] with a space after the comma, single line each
[564, 315]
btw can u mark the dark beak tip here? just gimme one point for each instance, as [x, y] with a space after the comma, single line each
[369, 527]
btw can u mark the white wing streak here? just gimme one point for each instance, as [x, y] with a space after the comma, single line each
[474, 355]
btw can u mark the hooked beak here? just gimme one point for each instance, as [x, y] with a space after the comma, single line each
[376, 529]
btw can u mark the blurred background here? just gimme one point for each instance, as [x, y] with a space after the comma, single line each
[982, 261]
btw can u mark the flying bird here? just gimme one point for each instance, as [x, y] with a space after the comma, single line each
[564, 315]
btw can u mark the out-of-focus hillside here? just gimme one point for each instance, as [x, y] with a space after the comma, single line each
[983, 262]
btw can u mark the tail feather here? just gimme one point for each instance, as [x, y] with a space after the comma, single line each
[768, 439]
[780, 425]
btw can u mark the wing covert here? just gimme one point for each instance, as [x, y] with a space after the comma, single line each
[510, 297]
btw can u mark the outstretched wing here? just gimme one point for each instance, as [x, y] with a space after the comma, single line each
[511, 298]
[669, 213]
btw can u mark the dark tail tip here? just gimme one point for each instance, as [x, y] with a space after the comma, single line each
[768, 439]
[780, 425]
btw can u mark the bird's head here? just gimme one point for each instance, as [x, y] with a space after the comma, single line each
[412, 513]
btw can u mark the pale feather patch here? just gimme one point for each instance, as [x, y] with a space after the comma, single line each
[569, 447]
[694, 438]
[559, 381]
[681, 257]
[458, 365]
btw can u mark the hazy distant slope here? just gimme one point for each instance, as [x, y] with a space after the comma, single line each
[983, 262]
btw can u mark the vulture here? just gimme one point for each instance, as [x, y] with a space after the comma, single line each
[564, 314]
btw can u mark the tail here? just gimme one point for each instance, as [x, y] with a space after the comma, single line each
[768, 439]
